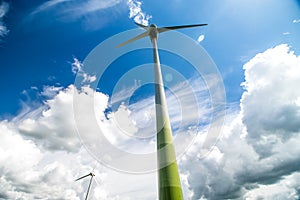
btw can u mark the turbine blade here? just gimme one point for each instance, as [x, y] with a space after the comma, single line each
[168, 28]
[141, 25]
[134, 39]
[83, 177]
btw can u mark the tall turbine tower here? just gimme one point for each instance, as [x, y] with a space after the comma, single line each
[169, 187]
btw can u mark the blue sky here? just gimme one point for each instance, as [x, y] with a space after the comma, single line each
[254, 43]
[236, 32]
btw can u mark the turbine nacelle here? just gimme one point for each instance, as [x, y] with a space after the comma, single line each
[153, 25]
[153, 32]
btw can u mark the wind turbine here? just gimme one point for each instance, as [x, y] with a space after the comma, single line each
[169, 186]
[92, 175]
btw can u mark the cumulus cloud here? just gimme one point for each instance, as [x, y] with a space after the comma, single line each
[257, 155]
[57, 156]
[53, 127]
[273, 74]
[286, 188]
[136, 12]
[4, 7]
[41, 155]
[23, 173]
[50, 91]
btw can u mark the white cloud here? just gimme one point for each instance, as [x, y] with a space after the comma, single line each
[284, 189]
[52, 157]
[50, 132]
[4, 7]
[186, 102]
[273, 74]
[78, 68]
[259, 149]
[286, 33]
[257, 156]
[87, 11]
[50, 91]
[71, 9]
[95, 6]
[295, 21]
[123, 94]
[48, 5]
[200, 38]
[53, 127]
[23, 173]
[135, 12]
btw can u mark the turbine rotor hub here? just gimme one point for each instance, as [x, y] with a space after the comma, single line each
[153, 33]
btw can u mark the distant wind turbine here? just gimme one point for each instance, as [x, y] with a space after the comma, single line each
[90, 174]
[169, 186]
